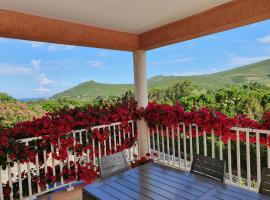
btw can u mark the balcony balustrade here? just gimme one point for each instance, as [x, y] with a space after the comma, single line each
[175, 146]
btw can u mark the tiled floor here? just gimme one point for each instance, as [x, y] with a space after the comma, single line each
[75, 194]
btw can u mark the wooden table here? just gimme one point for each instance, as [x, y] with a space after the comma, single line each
[154, 181]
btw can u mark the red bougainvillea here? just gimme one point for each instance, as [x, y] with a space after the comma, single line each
[165, 115]
[56, 136]
[143, 160]
[266, 121]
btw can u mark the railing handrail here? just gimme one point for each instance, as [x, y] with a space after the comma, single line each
[251, 130]
[244, 129]
[29, 139]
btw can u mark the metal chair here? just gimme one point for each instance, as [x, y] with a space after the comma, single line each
[207, 166]
[265, 182]
[113, 164]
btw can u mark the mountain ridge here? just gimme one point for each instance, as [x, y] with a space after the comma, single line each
[256, 72]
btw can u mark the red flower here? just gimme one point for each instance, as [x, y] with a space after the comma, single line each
[4, 141]
[53, 178]
[7, 190]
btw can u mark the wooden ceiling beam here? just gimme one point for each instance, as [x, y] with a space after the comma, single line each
[227, 16]
[35, 28]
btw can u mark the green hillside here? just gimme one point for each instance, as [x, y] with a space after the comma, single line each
[259, 72]
[92, 89]
[13, 111]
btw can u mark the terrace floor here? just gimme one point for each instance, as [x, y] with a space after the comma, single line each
[155, 181]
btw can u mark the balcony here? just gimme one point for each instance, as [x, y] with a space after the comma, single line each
[42, 157]
[245, 153]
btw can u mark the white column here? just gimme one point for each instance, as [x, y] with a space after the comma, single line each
[141, 96]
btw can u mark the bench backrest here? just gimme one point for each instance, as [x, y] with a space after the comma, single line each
[112, 164]
[265, 182]
[207, 166]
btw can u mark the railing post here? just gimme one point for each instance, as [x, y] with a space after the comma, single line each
[141, 96]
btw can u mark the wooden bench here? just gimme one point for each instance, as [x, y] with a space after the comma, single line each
[265, 182]
[113, 164]
[207, 166]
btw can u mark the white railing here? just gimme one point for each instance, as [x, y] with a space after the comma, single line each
[12, 175]
[175, 147]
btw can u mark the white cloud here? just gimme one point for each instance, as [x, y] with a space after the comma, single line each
[64, 83]
[210, 71]
[13, 69]
[36, 63]
[182, 74]
[58, 47]
[6, 40]
[51, 47]
[211, 37]
[104, 53]
[213, 69]
[36, 44]
[96, 64]
[181, 60]
[264, 40]
[236, 61]
[44, 80]
[174, 61]
[41, 90]
[192, 44]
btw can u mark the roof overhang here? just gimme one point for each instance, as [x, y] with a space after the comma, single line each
[193, 21]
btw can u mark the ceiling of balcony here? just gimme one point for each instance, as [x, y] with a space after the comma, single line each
[132, 16]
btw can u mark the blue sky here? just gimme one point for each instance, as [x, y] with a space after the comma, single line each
[33, 69]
